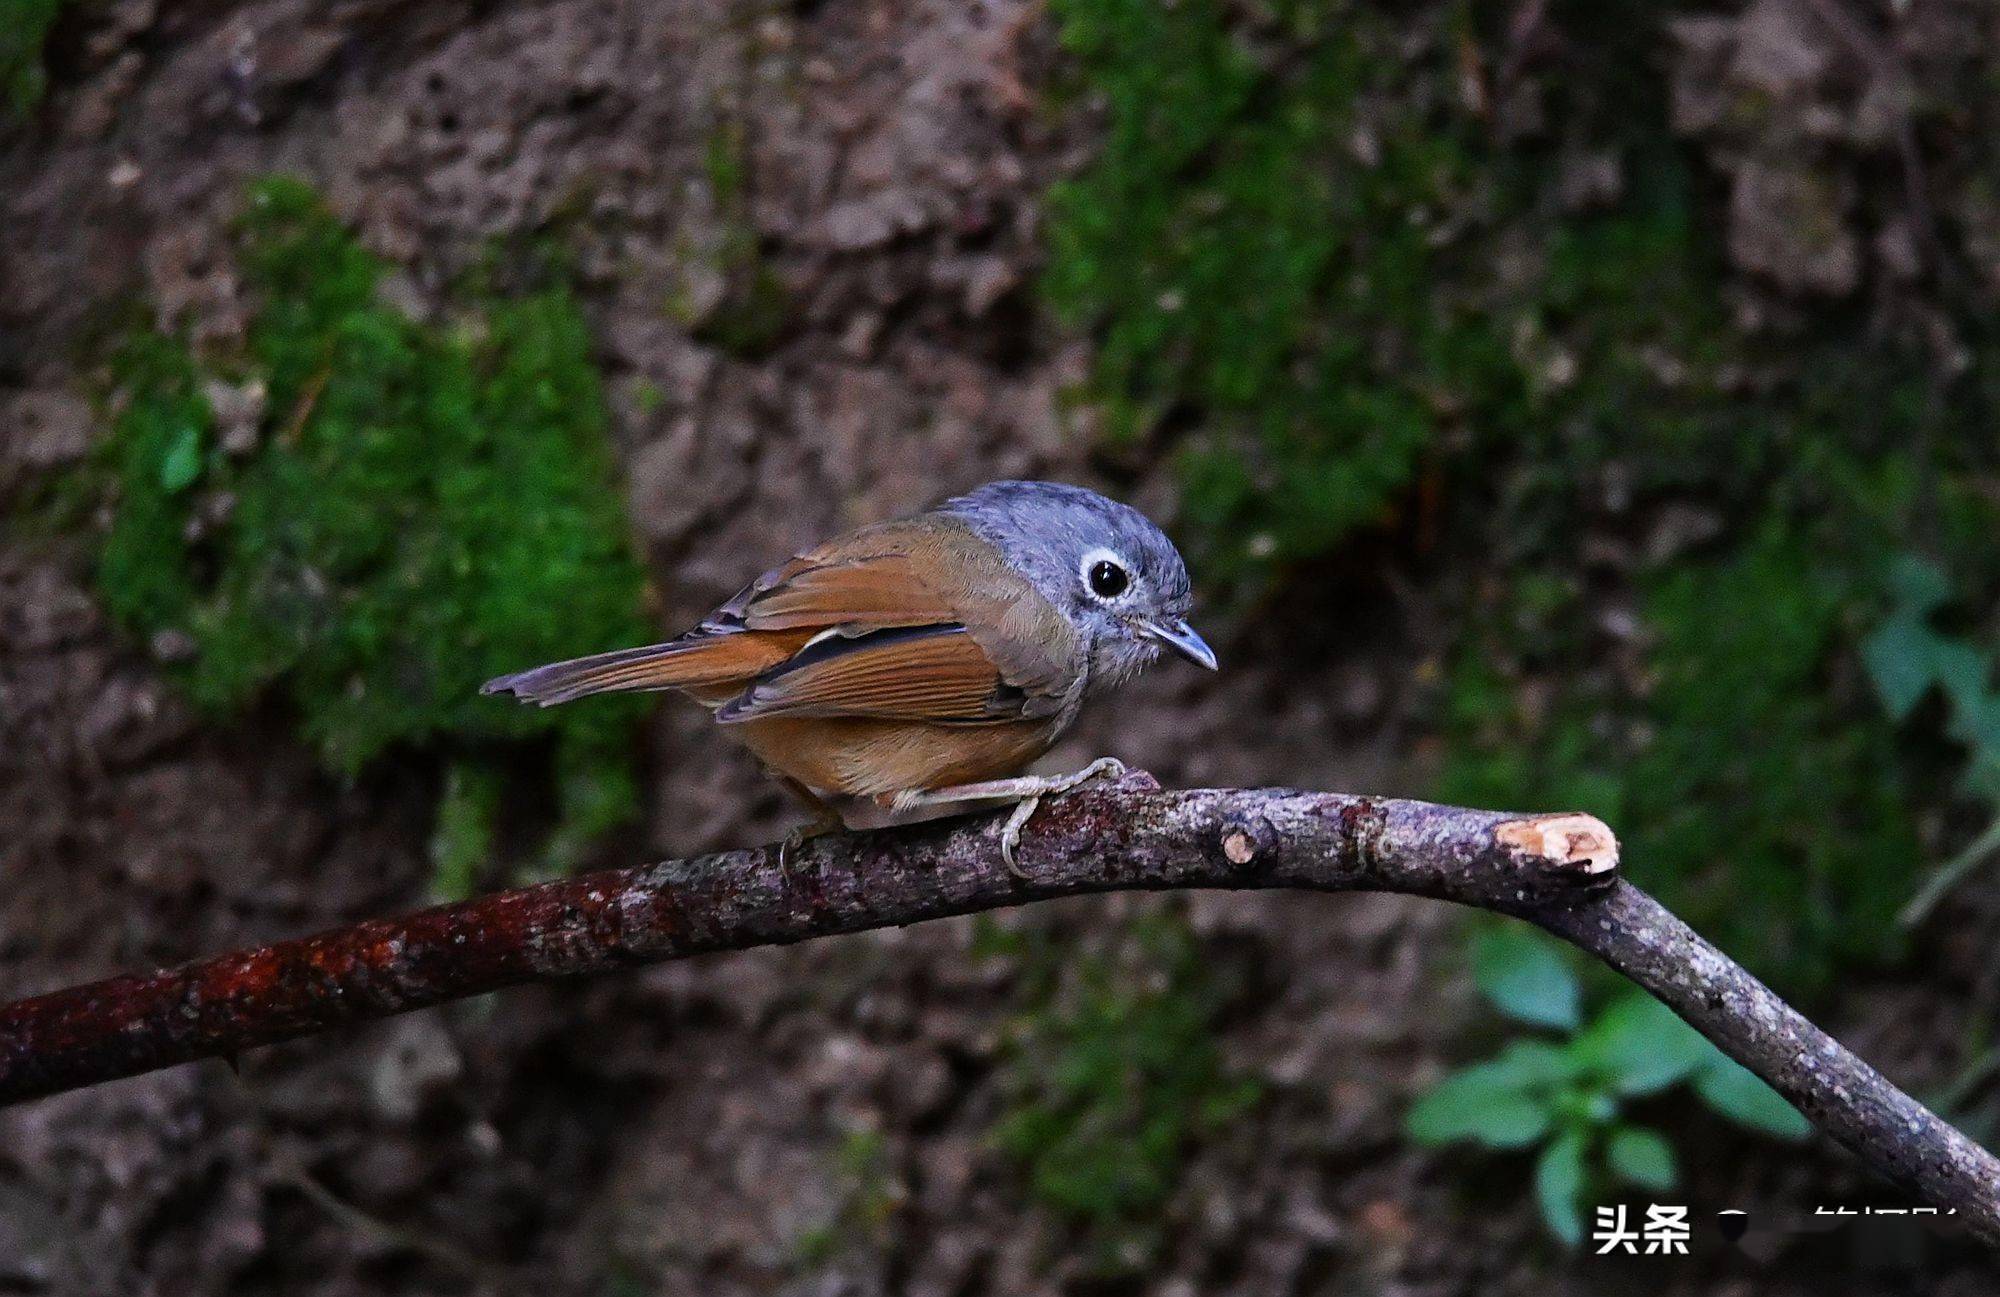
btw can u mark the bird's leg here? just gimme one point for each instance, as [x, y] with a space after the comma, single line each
[824, 819]
[818, 826]
[1025, 791]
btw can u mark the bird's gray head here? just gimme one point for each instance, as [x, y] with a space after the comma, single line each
[1103, 564]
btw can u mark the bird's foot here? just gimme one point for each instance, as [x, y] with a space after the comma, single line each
[802, 834]
[1010, 835]
[1051, 786]
[1103, 768]
[1025, 791]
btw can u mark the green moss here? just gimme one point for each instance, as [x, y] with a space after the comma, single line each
[725, 162]
[144, 569]
[1761, 804]
[24, 28]
[869, 1195]
[1299, 241]
[754, 308]
[462, 841]
[426, 508]
[1232, 275]
[754, 311]
[1112, 1077]
[1314, 269]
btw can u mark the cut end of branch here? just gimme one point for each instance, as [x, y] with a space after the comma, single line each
[1579, 845]
[1247, 838]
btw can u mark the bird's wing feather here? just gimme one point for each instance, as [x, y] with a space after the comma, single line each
[872, 624]
[866, 592]
[697, 660]
[921, 673]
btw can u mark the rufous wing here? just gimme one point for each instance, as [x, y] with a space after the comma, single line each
[873, 592]
[929, 571]
[917, 620]
[694, 661]
[921, 673]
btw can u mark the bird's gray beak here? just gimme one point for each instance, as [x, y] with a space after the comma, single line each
[1181, 638]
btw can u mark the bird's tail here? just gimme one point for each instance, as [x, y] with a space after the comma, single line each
[693, 661]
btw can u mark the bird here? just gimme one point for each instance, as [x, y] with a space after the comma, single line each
[914, 668]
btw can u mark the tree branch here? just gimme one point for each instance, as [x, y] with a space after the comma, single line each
[1557, 871]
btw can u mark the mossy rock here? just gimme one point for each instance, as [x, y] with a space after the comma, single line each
[423, 507]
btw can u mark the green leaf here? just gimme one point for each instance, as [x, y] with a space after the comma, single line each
[1482, 1104]
[1559, 1187]
[1905, 656]
[1640, 1046]
[181, 465]
[1900, 663]
[1962, 671]
[1642, 1157]
[1975, 722]
[1981, 777]
[1530, 1064]
[1525, 976]
[1740, 1095]
[1919, 584]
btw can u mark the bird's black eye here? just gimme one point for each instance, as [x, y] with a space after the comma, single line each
[1107, 579]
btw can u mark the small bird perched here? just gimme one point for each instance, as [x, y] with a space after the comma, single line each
[914, 668]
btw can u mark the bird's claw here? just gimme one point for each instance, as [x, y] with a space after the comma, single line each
[1102, 768]
[800, 835]
[1010, 833]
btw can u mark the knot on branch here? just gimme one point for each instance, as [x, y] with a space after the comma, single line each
[1572, 848]
[1245, 838]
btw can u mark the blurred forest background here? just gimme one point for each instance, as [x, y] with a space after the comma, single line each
[1563, 405]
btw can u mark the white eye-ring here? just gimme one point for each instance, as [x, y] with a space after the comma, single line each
[1105, 574]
